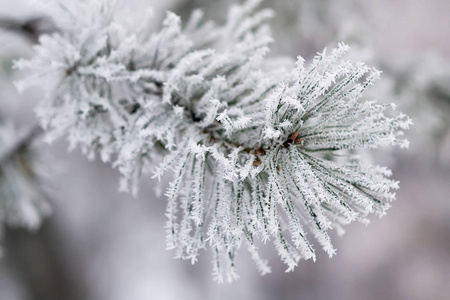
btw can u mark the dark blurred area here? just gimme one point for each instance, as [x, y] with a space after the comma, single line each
[102, 244]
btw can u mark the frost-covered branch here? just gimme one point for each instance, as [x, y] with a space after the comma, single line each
[22, 200]
[249, 144]
[32, 28]
[21, 145]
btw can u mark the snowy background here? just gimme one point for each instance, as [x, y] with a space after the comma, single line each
[105, 245]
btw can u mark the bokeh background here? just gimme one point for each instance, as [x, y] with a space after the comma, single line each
[102, 244]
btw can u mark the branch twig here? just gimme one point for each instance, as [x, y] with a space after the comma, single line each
[21, 144]
[32, 28]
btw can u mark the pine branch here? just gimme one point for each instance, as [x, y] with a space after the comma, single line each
[23, 201]
[22, 144]
[245, 142]
[32, 28]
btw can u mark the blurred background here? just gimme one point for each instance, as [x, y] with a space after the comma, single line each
[101, 244]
